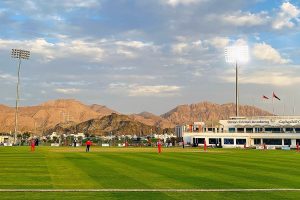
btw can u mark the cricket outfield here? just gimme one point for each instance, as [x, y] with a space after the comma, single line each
[142, 173]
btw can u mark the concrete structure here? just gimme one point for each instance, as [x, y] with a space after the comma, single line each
[6, 139]
[276, 131]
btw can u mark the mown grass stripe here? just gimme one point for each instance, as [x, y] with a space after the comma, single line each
[153, 190]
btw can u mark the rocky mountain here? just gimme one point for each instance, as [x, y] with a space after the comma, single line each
[47, 115]
[65, 114]
[115, 124]
[102, 109]
[152, 120]
[208, 112]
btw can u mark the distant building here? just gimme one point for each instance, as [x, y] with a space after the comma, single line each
[54, 134]
[77, 135]
[239, 131]
[6, 139]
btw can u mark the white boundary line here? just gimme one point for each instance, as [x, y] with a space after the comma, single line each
[151, 190]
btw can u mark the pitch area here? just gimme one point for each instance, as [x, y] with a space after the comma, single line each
[143, 168]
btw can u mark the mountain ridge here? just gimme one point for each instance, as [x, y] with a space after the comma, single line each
[48, 115]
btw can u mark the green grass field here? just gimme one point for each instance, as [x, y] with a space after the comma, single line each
[143, 168]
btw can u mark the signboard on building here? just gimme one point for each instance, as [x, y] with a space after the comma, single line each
[261, 122]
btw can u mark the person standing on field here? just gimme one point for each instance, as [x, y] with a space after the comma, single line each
[32, 144]
[88, 144]
[159, 146]
[74, 142]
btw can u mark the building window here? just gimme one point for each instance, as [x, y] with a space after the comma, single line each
[198, 140]
[228, 141]
[240, 130]
[240, 141]
[257, 141]
[213, 140]
[289, 130]
[258, 130]
[276, 130]
[298, 141]
[272, 141]
[297, 130]
[231, 130]
[273, 130]
[287, 142]
[249, 130]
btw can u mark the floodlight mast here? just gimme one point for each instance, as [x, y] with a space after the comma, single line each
[236, 90]
[235, 54]
[19, 54]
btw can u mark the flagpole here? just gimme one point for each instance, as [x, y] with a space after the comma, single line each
[253, 110]
[236, 91]
[273, 103]
[294, 107]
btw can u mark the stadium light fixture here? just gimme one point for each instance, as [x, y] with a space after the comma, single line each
[237, 54]
[19, 54]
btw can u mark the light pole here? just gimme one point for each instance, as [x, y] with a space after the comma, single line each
[19, 54]
[236, 54]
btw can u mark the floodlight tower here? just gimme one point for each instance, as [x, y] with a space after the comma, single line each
[236, 54]
[19, 54]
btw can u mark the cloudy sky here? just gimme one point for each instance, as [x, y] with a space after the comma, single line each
[151, 55]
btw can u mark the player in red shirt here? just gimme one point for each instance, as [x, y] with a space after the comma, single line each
[32, 144]
[159, 146]
[88, 144]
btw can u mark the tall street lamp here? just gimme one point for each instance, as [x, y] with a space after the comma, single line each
[236, 54]
[19, 54]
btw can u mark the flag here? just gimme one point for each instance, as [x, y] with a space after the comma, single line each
[274, 96]
[265, 97]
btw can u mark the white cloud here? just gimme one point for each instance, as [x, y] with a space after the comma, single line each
[240, 42]
[117, 85]
[263, 51]
[290, 9]
[285, 17]
[80, 3]
[129, 49]
[29, 4]
[182, 2]
[245, 19]
[179, 48]
[8, 77]
[92, 51]
[66, 4]
[126, 53]
[153, 90]
[66, 83]
[185, 45]
[275, 76]
[133, 44]
[197, 43]
[124, 68]
[49, 51]
[133, 77]
[67, 90]
[219, 42]
[144, 90]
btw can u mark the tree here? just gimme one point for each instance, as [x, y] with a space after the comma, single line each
[54, 139]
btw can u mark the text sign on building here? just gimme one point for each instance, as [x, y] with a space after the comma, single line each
[263, 122]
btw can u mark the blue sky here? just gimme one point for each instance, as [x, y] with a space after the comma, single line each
[150, 55]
